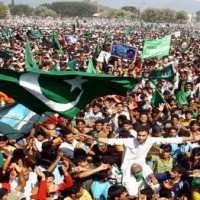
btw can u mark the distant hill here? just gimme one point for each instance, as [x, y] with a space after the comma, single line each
[190, 6]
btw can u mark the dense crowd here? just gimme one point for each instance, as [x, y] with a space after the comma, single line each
[118, 147]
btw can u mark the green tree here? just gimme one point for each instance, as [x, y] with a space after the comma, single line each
[182, 16]
[198, 16]
[43, 11]
[130, 8]
[21, 9]
[73, 9]
[151, 15]
[3, 10]
[168, 15]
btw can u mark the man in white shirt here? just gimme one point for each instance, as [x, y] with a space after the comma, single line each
[31, 181]
[136, 149]
[69, 144]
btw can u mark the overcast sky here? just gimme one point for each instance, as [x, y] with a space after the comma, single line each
[187, 5]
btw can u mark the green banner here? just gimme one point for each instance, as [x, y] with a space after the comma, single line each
[156, 48]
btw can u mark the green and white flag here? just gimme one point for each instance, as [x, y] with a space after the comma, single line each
[128, 29]
[62, 92]
[156, 48]
[166, 73]
[17, 120]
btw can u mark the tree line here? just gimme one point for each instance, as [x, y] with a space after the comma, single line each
[83, 9]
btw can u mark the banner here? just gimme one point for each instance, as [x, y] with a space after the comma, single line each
[103, 55]
[156, 48]
[71, 38]
[123, 51]
[166, 73]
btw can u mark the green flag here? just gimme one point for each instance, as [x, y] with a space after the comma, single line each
[17, 120]
[62, 92]
[107, 39]
[35, 34]
[157, 98]
[128, 29]
[166, 73]
[156, 48]
[86, 36]
[30, 62]
[5, 35]
[97, 49]
[56, 67]
[4, 55]
[56, 44]
[90, 67]
[72, 64]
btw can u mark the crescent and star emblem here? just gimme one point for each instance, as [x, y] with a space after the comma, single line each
[29, 82]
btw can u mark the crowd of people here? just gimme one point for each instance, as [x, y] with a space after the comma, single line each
[118, 147]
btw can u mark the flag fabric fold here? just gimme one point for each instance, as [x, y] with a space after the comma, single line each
[62, 92]
[157, 98]
[90, 67]
[56, 44]
[30, 62]
[156, 48]
[166, 73]
[17, 120]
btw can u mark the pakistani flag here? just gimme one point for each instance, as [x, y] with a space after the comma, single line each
[34, 34]
[56, 44]
[17, 120]
[166, 73]
[62, 92]
[30, 62]
[156, 48]
[157, 98]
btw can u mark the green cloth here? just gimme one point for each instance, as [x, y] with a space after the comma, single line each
[30, 62]
[166, 73]
[159, 166]
[128, 29]
[35, 34]
[1, 160]
[90, 67]
[4, 55]
[157, 99]
[56, 44]
[72, 64]
[62, 92]
[138, 176]
[156, 48]
[182, 96]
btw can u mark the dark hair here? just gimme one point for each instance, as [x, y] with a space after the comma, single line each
[80, 120]
[75, 188]
[115, 191]
[46, 145]
[127, 122]
[99, 121]
[102, 175]
[193, 122]
[166, 193]
[48, 174]
[65, 132]
[125, 134]
[183, 133]
[141, 129]
[79, 159]
[3, 138]
[188, 111]
[148, 192]
[108, 160]
[122, 117]
[79, 152]
[166, 147]
[175, 116]
[40, 132]
[179, 169]
[196, 151]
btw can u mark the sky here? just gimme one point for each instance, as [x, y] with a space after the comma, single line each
[187, 5]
